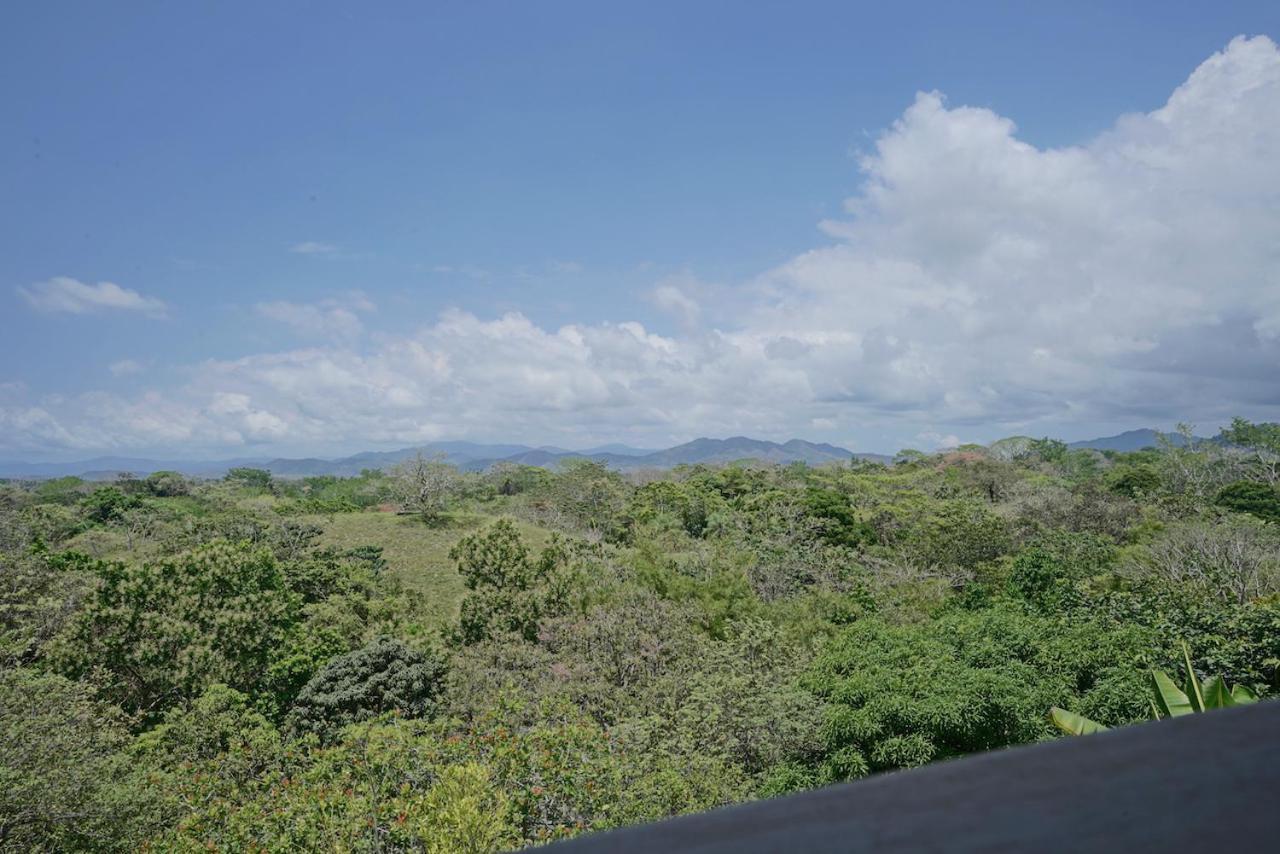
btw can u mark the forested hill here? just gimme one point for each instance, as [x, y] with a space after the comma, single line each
[469, 456]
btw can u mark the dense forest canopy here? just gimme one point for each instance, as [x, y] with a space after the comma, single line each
[426, 659]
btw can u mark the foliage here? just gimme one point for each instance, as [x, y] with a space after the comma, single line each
[1047, 572]
[162, 631]
[840, 524]
[903, 696]
[1167, 699]
[256, 663]
[425, 485]
[65, 781]
[590, 498]
[1236, 559]
[250, 478]
[958, 533]
[107, 504]
[1263, 440]
[167, 484]
[1134, 481]
[510, 590]
[217, 725]
[39, 594]
[1246, 496]
[384, 676]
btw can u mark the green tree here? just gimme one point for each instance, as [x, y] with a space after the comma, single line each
[1167, 699]
[212, 730]
[959, 533]
[251, 478]
[508, 588]
[66, 783]
[1052, 451]
[166, 484]
[1134, 481]
[1046, 572]
[590, 497]
[840, 524]
[1249, 496]
[383, 676]
[39, 594]
[107, 504]
[1263, 440]
[162, 631]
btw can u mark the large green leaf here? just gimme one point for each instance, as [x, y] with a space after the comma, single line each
[1216, 695]
[1242, 696]
[1169, 697]
[1192, 687]
[1073, 724]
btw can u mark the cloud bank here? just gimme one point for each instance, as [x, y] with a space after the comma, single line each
[978, 285]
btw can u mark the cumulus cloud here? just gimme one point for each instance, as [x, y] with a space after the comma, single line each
[71, 296]
[329, 318]
[670, 296]
[977, 285]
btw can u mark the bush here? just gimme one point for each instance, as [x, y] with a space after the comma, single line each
[905, 695]
[1248, 496]
[65, 782]
[107, 503]
[167, 484]
[1134, 481]
[382, 677]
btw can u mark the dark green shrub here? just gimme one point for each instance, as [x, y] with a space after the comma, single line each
[384, 676]
[1253, 497]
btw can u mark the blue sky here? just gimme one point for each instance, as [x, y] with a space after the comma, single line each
[289, 197]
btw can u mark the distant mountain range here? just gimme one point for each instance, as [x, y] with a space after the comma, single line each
[469, 456]
[472, 456]
[1133, 440]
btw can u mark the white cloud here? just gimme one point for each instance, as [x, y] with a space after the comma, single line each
[313, 247]
[936, 441]
[124, 367]
[71, 296]
[671, 299]
[330, 318]
[979, 285]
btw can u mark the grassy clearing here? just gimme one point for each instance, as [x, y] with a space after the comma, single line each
[416, 553]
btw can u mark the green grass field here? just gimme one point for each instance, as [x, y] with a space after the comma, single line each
[416, 553]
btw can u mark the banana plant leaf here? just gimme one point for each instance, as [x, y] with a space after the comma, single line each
[1073, 724]
[1192, 686]
[1169, 698]
[1242, 696]
[1216, 695]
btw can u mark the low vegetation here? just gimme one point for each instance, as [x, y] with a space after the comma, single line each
[438, 661]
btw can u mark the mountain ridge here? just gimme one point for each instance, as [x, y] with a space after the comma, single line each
[469, 456]
[475, 456]
[1133, 440]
